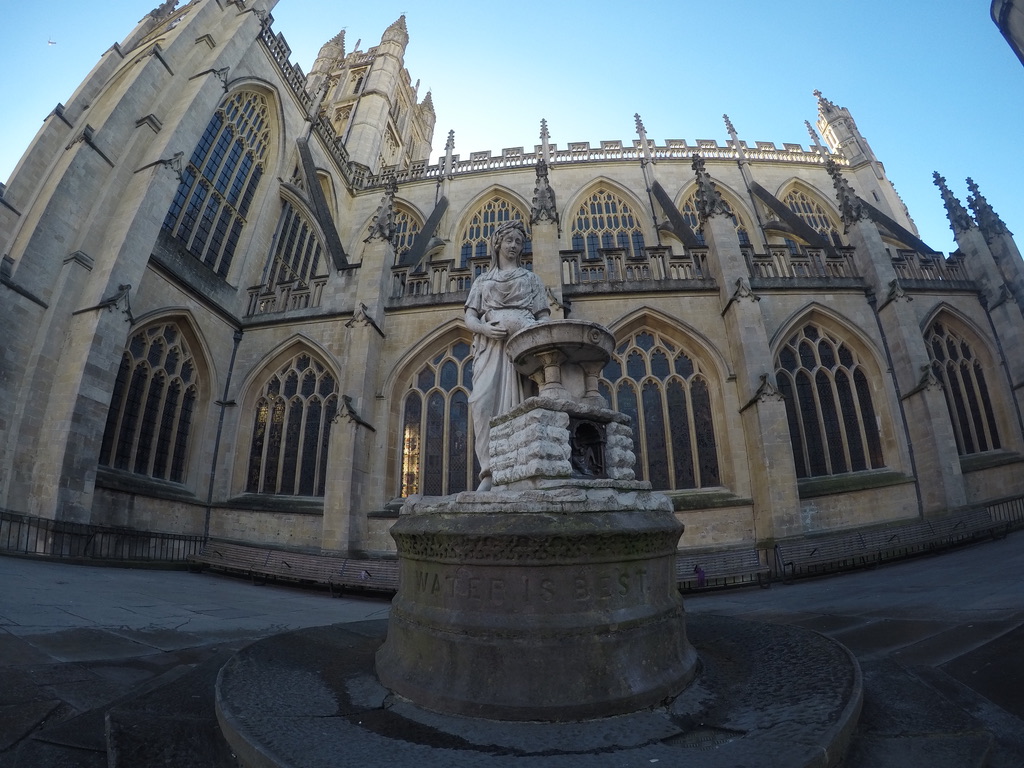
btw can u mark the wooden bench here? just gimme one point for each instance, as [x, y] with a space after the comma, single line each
[823, 554]
[233, 558]
[368, 575]
[707, 570]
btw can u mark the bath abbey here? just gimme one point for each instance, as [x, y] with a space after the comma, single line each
[234, 303]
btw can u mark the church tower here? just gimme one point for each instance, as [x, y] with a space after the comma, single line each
[371, 102]
[866, 173]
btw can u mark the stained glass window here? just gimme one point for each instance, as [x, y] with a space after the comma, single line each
[217, 185]
[603, 221]
[153, 405]
[832, 423]
[956, 365]
[437, 446]
[297, 251]
[813, 214]
[291, 429]
[477, 234]
[665, 391]
[407, 226]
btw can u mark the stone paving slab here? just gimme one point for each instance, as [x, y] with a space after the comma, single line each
[985, 670]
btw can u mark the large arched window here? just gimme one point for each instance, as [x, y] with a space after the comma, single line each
[219, 182]
[963, 379]
[437, 452]
[813, 214]
[477, 234]
[153, 406]
[689, 211]
[605, 220]
[667, 394]
[298, 250]
[292, 428]
[832, 421]
[407, 226]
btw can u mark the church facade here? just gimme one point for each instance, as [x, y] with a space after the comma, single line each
[233, 301]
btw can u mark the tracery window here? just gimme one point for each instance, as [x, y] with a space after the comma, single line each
[292, 428]
[605, 220]
[689, 211]
[153, 406]
[813, 214]
[437, 450]
[218, 183]
[477, 234]
[832, 422]
[667, 394]
[297, 251]
[957, 366]
[407, 227]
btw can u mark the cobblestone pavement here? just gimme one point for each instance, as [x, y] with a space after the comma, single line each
[115, 667]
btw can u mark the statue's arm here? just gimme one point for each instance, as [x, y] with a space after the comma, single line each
[477, 324]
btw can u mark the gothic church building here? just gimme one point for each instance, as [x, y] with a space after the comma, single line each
[232, 301]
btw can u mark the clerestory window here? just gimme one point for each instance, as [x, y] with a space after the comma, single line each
[219, 182]
[606, 221]
[477, 234]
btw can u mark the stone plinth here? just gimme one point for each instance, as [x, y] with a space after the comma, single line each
[537, 605]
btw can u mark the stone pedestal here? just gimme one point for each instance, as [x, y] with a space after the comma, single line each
[552, 596]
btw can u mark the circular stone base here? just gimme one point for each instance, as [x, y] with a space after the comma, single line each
[765, 695]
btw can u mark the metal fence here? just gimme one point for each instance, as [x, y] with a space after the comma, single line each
[26, 535]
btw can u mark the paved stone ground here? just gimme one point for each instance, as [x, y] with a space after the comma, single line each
[115, 667]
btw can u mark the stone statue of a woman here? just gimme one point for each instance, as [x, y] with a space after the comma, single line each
[504, 299]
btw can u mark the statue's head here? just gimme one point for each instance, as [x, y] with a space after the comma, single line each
[500, 231]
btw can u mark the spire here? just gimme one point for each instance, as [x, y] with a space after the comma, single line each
[826, 108]
[814, 138]
[735, 138]
[988, 220]
[545, 142]
[428, 102]
[334, 48]
[449, 147]
[708, 200]
[959, 219]
[850, 207]
[397, 32]
[642, 133]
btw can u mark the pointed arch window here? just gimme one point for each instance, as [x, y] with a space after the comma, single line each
[605, 220]
[956, 365]
[477, 234]
[219, 182]
[832, 423]
[292, 428]
[437, 448]
[689, 211]
[298, 250]
[668, 396]
[153, 406]
[813, 214]
[407, 226]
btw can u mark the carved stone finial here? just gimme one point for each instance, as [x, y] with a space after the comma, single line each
[709, 200]
[449, 147]
[543, 207]
[851, 208]
[545, 143]
[988, 220]
[641, 131]
[383, 225]
[729, 127]
[814, 136]
[959, 219]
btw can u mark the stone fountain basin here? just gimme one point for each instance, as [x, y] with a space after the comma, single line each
[578, 341]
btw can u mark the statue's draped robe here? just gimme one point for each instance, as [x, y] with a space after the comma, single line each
[513, 298]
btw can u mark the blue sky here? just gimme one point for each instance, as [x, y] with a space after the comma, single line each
[931, 83]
